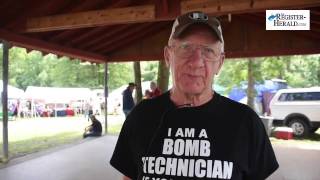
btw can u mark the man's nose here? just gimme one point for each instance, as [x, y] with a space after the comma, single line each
[197, 58]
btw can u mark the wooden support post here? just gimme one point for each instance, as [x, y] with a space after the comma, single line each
[137, 81]
[105, 98]
[5, 65]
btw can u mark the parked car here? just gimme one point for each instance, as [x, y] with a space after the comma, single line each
[298, 108]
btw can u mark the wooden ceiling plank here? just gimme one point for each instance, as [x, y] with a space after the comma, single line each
[104, 17]
[230, 6]
[146, 13]
[103, 37]
[41, 8]
[86, 36]
[44, 46]
[121, 36]
[125, 42]
[257, 18]
[315, 12]
[62, 35]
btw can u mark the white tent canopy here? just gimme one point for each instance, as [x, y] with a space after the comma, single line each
[57, 95]
[13, 92]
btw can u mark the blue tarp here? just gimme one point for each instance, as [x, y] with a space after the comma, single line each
[239, 92]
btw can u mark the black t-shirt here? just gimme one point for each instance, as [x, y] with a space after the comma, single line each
[96, 126]
[221, 139]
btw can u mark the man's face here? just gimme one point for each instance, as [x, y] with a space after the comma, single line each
[193, 60]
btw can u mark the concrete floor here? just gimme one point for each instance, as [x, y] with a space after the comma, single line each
[297, 163]
[89, 161]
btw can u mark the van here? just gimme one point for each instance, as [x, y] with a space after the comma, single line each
[298, 108]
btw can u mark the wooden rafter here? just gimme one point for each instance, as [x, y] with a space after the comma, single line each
[50, 7]
[260, 19]
[120, 37]
[63, 35]
[146, 13]
[104, 37]
[19, 40]
[127, 41]
[242, 6]
[86, 36]
[92, 18]
[88, 5]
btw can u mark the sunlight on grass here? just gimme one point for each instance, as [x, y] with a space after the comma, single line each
[33, 135]
[114, 129]
[36, 144]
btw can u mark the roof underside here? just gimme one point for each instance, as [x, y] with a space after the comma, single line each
[130, 30]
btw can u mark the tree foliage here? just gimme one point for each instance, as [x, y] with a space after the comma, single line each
[298, 71]
[35, 69]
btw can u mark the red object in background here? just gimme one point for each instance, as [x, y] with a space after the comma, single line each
[155, 93]
[70, 112]
[283, 133]
[45, 114]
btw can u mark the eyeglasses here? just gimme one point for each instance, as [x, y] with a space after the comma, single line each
[185, 50]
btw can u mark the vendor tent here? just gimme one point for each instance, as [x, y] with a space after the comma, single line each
[13, 92]
[57, 95]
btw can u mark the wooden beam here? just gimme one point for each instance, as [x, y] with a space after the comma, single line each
[30, 10]
[86, 36]
[146, 13]
[40, 45]
[260, 19]
[218, 7]
[136, 14]
[133, 38]
[62, 36]
[121, 37]
[96, 41]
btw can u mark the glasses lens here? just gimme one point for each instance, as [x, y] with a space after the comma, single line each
[185, 50]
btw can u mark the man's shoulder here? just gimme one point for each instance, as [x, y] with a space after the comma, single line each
[161, 100]
[233, 106]
[229, 102]
[126, 90]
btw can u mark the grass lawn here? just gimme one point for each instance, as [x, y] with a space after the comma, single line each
[32, 135]
[36, 134]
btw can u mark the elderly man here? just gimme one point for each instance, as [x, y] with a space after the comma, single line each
[191, 132]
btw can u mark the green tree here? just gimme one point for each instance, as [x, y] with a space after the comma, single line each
[120, 74]
[149, 70]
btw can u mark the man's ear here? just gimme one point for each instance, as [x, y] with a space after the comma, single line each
[166, 56]
[220, 63]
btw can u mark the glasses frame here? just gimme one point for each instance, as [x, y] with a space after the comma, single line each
[194, 47]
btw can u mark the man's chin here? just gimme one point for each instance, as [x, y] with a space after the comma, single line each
[193, 90]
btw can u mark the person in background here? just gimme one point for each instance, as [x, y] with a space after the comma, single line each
[191, 131]
[95, 129]
[155, 90]
[127, 99]
[147, 94]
